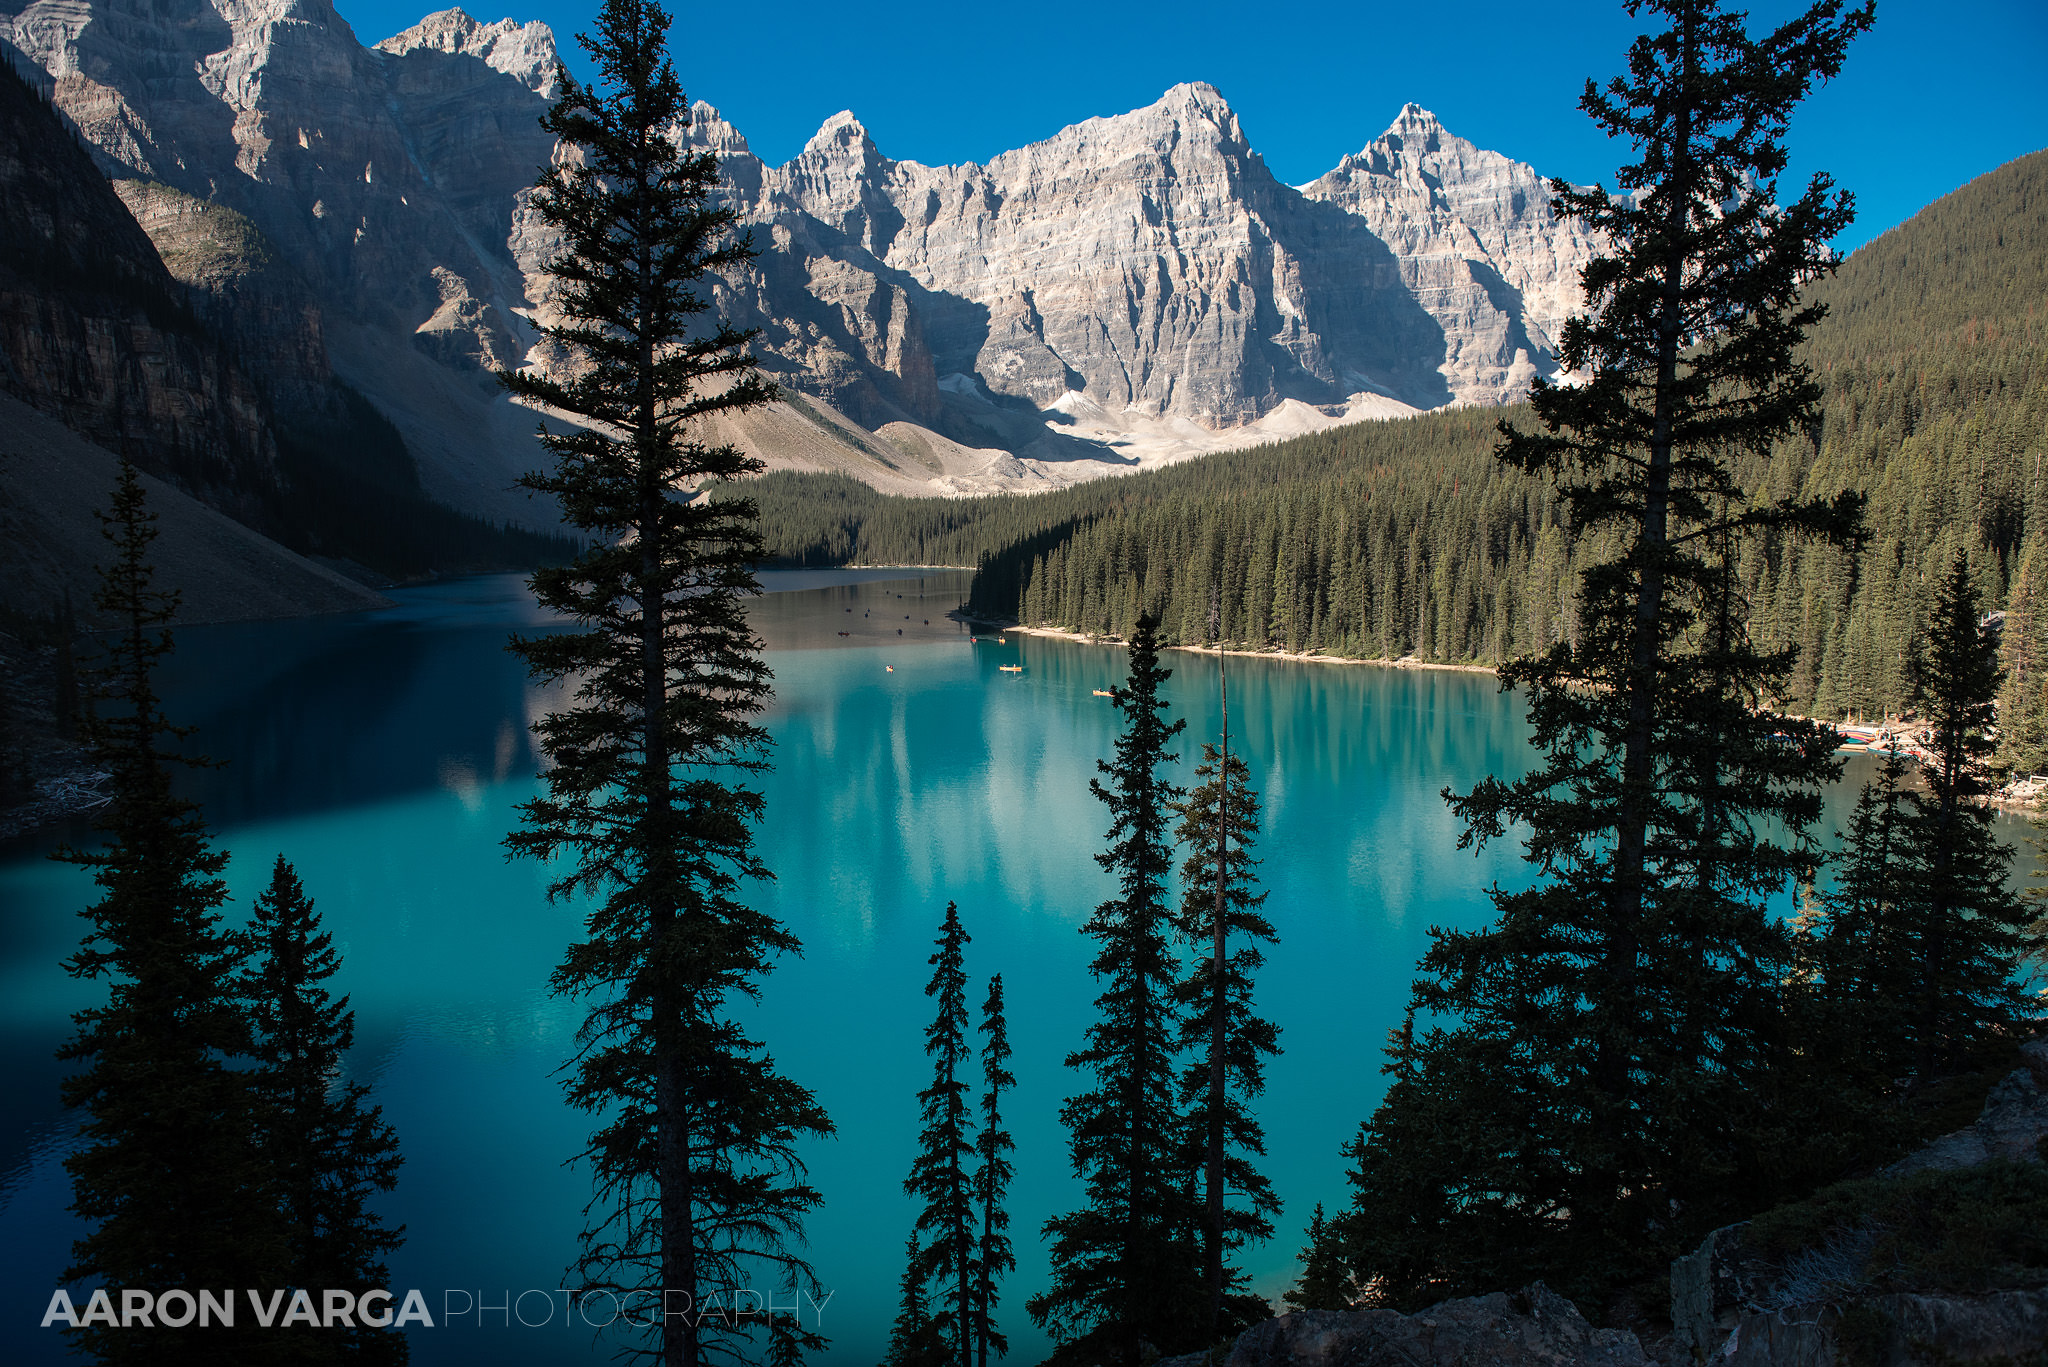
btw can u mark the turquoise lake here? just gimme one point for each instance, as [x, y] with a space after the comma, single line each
[384, 755]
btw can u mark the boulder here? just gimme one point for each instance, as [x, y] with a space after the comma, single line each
[1713, 1289]
[1728, 1301]
[1534, 1327]
[2012, 1125]
[1894, 1331]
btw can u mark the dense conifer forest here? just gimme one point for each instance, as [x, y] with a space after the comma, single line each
[1407, 538]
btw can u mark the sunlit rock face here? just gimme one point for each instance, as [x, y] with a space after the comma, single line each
[1153, 263]
[1142, 269]
[93, 332]
[367, 166]
[1476, 244]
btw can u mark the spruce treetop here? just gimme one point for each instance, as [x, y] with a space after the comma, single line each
[1955, 676]
[1694, 313]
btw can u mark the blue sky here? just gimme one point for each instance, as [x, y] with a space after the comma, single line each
[1940, 91]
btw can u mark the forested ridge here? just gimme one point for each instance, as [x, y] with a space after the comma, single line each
[1407, 538]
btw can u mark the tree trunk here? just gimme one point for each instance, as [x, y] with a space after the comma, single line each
[1927, 1057]
[672, 1149]
[1218, 1000]
[1614, 1052]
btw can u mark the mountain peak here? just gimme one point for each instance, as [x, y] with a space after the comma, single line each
[1190, 102]
[1198, 98]
[525, 52]
[1415, 135]
[841, 135]
[1416, 130]
[710, 130]
[1199, 93]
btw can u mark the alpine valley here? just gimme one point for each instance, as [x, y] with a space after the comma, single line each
[1727, 1046]
[277, 268]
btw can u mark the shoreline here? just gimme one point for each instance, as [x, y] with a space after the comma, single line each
[1405, 662]
[827, 569]
[1996, 798]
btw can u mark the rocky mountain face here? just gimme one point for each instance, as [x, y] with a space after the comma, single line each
[1131, 289]
[1475, 243]
[93, 327]
[241, 285]
[1151, 263]
[384, 177]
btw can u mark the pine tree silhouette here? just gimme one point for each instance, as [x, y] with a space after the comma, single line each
[699, 1186]
[326, 1149]
[1604, 1077]
[1964, 930]
[915, 1339]
[1226, 1043]
[1125, 1270]
[167, 1174]
[940, 1175]
[993, 1255]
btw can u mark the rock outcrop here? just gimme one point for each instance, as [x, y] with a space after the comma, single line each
[1534, 1327]
[1997, 1330]
[2013, 1125]
[1714, 1287]
[94, 328]
[1732, 1304]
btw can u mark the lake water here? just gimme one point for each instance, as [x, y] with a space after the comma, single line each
[384, 755]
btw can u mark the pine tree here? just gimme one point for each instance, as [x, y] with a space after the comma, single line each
[915, 1340]
[1604, 1082]
[1322, 1285]
[167, 1174]
[940, 1174]
[1857, 954]
[1123, 1266]
[1964, 929]
[1225, 1043]
[785, 1343]
[698, 1182]
[325, 1149]
[2023, 646]
[788, 1340]
[1919, 948]
[993, 1255]
[1851, 995]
